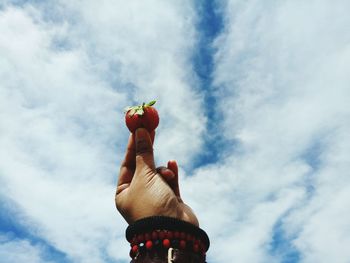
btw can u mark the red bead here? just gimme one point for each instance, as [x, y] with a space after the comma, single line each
[182, 235]
[161, 235]
[176, 234]
[135, 248]
[154, 235]
[134, 240]
[169, 235]
[166, 243]
[182, 244]
[147, 236]
[149, 244]
[189, 237]
[140, 238]
[195, 248]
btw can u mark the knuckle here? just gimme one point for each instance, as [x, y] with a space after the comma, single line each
[142, 146]
[160, 169]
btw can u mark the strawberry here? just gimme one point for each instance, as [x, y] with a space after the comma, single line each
[142, 116]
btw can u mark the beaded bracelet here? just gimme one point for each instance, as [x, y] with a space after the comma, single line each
[161, 233]
[159, 239]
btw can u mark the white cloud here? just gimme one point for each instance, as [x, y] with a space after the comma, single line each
[281, 72]
[147, 46]
[67, 73]
[17, 250]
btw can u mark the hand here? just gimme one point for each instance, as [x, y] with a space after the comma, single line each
[144, 190]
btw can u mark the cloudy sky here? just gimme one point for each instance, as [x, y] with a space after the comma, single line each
[254, 103]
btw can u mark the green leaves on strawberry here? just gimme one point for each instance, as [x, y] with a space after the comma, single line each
[142, 116]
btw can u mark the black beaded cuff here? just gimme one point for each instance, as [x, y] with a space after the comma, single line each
[155, 223]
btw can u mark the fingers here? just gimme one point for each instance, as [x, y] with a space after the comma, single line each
[174, 183]
[128, 164]
[129, 159]
[152, 135]
[170, 176]
[144, 150]
[172, 165]
[166, 173]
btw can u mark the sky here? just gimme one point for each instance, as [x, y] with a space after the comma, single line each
[253, 98]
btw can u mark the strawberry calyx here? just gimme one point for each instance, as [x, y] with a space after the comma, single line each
[139, 110]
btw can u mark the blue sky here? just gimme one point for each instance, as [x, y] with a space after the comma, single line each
[253, 98]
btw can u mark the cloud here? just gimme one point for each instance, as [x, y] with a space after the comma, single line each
[67, 73]
[14, 250]
[282, 84]
[279, 185]
[147, 47]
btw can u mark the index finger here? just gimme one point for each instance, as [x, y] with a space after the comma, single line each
[128, 165]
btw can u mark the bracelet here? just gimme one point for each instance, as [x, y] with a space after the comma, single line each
[159, 233]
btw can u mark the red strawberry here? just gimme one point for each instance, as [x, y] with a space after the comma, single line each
[142, 116]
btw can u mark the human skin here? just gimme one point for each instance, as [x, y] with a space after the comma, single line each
[144, 190]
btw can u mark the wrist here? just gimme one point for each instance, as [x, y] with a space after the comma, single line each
[163, 237]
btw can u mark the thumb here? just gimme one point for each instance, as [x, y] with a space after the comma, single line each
[144, 150]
